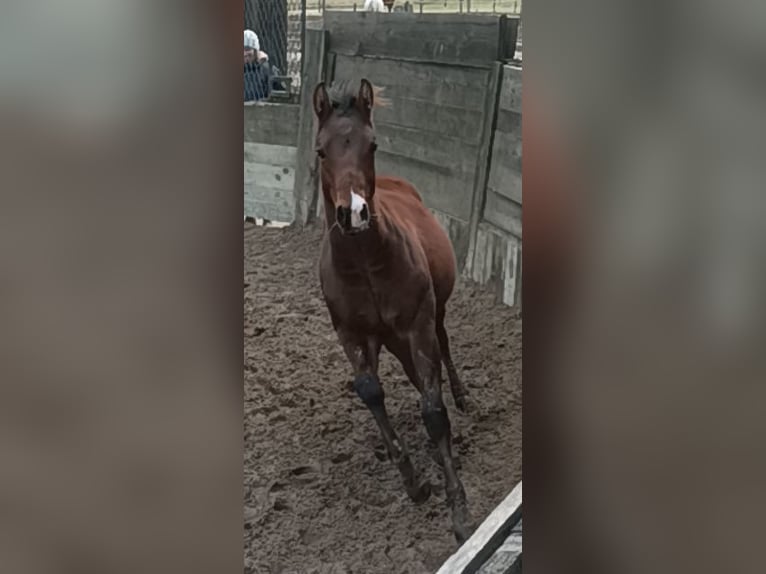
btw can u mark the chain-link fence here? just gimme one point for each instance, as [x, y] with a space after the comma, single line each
[280, 27]
[315, 7]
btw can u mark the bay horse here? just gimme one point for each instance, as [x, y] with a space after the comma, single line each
[386, 269]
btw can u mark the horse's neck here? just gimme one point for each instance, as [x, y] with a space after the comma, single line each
[372, 247]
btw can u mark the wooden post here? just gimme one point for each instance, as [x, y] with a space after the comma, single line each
[328, 75]
[509, 33]
[483, 161]
[303, 34]
[306, 167]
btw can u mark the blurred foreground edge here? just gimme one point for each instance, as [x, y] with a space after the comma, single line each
[495, 546]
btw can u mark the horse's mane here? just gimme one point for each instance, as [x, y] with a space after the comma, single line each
[343, 94]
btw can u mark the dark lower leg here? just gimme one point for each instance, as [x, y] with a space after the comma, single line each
[438, 426]
[456, 386]
[369, 389]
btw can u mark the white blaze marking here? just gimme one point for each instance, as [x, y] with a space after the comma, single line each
[357, 205]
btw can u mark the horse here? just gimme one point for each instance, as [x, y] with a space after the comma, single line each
[386, 270]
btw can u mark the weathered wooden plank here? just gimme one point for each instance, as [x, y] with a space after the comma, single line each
[457, 230]
[399, 158]
[443, 153]
[439, 190]
[509, 34]
[271, 176]
[307, 168]
[278, 204]
[478, 269]
[510, 93]
[436, 85]
[508, 122]
[479, 187]
[511, 294]
[506, 151]
[497, 262]
[506, 181]
[460, 39]
[265, 203]
[487, 537]
[269, 154]
[432, 120]
[503, 212]
[328, 74]
[272, 124]
[412, 103]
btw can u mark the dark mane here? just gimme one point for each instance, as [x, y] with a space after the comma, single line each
[343, 94]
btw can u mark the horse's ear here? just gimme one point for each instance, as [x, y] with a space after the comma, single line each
[366, 99]
[321, 100]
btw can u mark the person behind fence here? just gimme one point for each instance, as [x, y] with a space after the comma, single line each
[374, 6]
[257, 69]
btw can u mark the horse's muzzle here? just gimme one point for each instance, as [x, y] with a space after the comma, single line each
[353, 221]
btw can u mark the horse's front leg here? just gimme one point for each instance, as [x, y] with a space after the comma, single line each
[363, 354]
[424, 347]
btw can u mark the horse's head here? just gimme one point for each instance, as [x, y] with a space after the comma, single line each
[345, 144]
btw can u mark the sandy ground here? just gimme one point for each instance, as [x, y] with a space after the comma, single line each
[320, 496]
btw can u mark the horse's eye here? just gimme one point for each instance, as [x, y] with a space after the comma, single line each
[374, 146]
[320, 153]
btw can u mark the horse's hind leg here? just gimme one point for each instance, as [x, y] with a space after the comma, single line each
[400, 348]
[363, 356]
[455, 384]
[424, 349]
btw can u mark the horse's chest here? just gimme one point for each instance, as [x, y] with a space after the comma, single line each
[368, 303]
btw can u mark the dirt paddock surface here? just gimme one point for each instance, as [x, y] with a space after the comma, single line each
[320, 495]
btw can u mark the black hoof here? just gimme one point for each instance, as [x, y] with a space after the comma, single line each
[462, 531]
[421, 493]
[460, 403]
[381, 453]
[462, 525]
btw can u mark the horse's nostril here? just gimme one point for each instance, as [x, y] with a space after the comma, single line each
[364, 214]
[343, 216]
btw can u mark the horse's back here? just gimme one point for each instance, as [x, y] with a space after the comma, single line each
[404, 207]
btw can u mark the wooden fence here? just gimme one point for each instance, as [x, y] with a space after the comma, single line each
[453, 128]
[271, 137]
